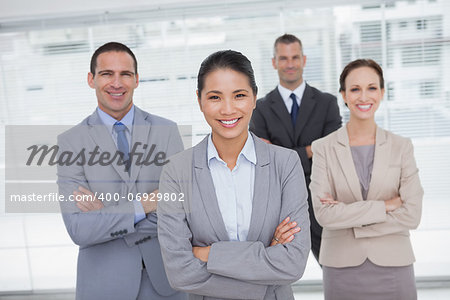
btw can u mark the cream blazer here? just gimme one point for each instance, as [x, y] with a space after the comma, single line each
[354, 229]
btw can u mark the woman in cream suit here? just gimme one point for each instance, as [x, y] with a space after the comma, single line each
[367, 196]
[233, 220]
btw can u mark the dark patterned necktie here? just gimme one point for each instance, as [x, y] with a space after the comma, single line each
[294, 109]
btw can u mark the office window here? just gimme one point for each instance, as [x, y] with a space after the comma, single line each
[429, 89]
[421, 54]
[390, 89]
[421, 24]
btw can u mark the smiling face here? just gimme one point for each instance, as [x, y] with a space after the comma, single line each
[227, 102]
[289, 61]
[362, 93]
[114, 83]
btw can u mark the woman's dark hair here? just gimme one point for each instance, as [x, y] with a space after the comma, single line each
[226, 59]
[358, 64]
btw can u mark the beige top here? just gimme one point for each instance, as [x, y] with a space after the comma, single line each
[363, 160]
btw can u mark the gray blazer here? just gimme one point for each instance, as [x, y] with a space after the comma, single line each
[112, 247]
[235, 270]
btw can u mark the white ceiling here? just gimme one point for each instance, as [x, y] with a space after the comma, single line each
[26, 10]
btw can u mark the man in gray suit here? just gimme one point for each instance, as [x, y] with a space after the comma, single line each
[108, 172]
[295, 114]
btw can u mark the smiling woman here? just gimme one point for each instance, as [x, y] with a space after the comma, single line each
[366, 194]
[227, 102]
[242, 229]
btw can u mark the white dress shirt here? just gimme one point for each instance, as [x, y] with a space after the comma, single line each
[234, 188]
[286, 95]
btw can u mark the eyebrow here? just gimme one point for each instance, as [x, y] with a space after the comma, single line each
[357, 85]
[214, 91]
[111, 71]
[286, 56]
[104, 71]
[234, 92]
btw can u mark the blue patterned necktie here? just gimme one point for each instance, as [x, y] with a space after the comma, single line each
[122, 143]
[294, 109]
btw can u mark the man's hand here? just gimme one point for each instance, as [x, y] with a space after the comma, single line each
[308, 151]
[201, 253]
[86, 200]
[150, 201]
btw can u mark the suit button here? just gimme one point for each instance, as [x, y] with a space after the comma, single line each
[125, 231]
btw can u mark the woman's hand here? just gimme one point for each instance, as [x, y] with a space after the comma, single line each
[284, 233]
[393, 203]
[201, 253]
[328, 199]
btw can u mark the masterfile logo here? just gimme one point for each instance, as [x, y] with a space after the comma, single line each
[33, 156]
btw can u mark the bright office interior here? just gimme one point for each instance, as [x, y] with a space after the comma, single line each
[45, 50]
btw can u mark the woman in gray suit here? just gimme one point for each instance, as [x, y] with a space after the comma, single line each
[232, 212]
[366, 194]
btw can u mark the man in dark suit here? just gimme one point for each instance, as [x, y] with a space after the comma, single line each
[295, 114]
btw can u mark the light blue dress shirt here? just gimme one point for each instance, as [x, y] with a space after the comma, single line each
[234, 188]
[286, 95]
[109, 122]
[127, 120]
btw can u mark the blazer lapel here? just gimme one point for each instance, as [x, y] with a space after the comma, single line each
[279, 108]
[141, 130]
[345, 159]
[205, 185]
[380, 164]
[261, 189]
[101, 136]
[304, 112]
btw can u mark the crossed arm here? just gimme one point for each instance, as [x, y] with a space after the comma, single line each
[225, 268]
[372, 217]
[284, 233]
[88, 220]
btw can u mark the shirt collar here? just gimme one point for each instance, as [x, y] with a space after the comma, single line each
[109, 121]
[248, 151]
[286, 93]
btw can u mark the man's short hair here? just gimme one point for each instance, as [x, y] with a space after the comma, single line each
[111, 47]
[286, 39]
